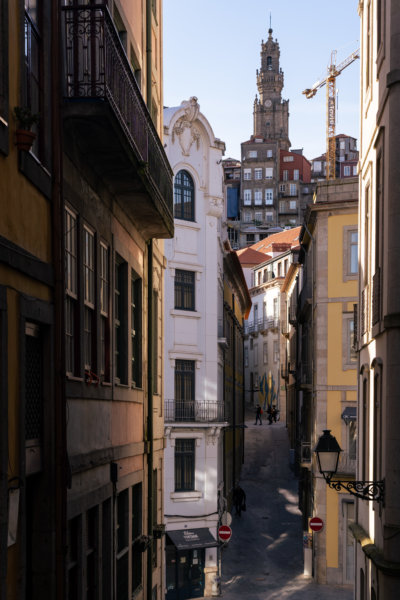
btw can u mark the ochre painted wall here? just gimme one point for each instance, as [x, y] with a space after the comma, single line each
[337, 288]
[336, 374]
[332, 525]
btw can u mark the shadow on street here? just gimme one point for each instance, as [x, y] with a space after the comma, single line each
[264, 559]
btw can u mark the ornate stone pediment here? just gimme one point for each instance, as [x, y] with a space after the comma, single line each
[184, 128]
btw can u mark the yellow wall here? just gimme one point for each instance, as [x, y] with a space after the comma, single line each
[336, 374]
[333, 412]
[332, 525]
[337, 288]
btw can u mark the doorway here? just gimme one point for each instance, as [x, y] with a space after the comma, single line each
[184, 573]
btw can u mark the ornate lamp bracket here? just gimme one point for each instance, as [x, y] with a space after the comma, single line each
[366, 490]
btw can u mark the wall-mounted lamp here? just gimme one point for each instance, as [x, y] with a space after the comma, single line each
[328, 452]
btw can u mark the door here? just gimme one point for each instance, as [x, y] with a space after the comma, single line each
[184, 573]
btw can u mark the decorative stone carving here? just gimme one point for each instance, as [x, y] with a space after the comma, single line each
[215, 206]
[184, 128]
[213, 434]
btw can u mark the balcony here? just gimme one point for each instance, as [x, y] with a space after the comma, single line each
[194, 411]
[260, 326]
[107, 125]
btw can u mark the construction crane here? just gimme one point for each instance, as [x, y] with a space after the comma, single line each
[330, 82]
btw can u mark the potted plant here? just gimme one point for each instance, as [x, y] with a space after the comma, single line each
[25, 119]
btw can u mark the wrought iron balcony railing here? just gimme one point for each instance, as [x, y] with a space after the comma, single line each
[254, 327]
[197, 411]
[100, 84]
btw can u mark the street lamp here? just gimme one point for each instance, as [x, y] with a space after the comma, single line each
[328, 452]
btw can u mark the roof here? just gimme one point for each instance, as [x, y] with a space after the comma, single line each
[288, 236]
[249, 256]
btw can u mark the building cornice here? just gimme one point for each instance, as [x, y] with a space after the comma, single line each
[373, 553]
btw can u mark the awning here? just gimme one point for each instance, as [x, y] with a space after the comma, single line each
[192, 538]
[349, 414]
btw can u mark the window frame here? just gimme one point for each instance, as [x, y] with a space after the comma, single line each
[258, 197]
[71, 329]
[185, 290]
[247, 197]
[185, 465]
[349, 356]
[184, 209]
[348, 248]
[89, 298]
[136, 324]
[120, 320]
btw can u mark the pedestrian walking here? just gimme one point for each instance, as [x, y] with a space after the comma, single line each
[258, 415]
[239, 500]
[270, 414]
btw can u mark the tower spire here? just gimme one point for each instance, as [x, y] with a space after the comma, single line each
[270, 25]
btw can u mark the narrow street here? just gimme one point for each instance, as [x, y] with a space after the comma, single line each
[264, 559]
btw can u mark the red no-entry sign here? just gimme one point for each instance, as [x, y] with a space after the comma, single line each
[316, 524]
[224, 533]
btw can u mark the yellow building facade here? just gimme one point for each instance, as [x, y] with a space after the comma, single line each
[328, 388]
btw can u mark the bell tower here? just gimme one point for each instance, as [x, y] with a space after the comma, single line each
[271, 113]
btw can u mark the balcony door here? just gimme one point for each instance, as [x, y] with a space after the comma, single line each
[184, 390]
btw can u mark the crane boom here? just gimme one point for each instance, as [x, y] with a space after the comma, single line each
[330, 82]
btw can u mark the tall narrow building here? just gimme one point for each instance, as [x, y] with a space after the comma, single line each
[271, 112]
[271, 195]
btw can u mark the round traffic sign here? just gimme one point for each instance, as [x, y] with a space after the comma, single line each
[224, 533]
[316, 524]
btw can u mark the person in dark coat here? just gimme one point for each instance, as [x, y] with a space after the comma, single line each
[258, 415]
[239, 499]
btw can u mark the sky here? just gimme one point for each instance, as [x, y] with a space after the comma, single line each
[212, 50]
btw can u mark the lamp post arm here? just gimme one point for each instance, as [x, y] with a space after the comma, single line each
[366, 490]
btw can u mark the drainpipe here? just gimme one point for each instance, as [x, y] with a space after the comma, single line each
[58, 247]
[149, 436]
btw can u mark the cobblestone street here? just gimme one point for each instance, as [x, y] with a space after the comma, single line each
[264, 559]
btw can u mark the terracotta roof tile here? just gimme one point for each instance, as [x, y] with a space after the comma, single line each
[249, 256]
[288, 236]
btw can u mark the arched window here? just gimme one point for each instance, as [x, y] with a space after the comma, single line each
[184, 196]
[269, 63]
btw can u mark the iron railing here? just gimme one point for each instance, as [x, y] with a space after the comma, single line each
[254, 327]
[97, 68]
[202, 411]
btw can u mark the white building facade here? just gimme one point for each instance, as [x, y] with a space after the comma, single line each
[193, 374]
[263, 340]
